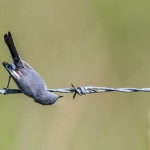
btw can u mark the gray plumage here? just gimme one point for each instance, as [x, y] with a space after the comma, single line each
[26, 78]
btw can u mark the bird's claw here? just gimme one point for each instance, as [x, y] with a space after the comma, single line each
[6, 91]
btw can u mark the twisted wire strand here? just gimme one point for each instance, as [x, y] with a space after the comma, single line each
[82, 90]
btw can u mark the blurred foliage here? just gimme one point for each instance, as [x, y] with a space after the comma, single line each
[106, 42]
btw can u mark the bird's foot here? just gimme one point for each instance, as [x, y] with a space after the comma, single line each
[6, 91]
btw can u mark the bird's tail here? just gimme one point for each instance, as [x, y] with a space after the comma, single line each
[9, 41]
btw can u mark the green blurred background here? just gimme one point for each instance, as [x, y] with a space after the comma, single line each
[106, 42]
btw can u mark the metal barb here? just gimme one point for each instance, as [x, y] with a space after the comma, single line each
[76, 91]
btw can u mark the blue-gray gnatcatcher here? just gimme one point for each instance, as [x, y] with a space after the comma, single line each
[26, 78]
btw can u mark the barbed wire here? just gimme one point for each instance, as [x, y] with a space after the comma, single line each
[82, 90]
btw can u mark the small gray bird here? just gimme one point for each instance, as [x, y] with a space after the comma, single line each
[26, 78]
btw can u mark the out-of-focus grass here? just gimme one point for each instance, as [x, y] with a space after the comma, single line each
[106, 42]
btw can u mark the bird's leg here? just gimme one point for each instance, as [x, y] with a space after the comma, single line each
[8, 81]
[7, 88]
